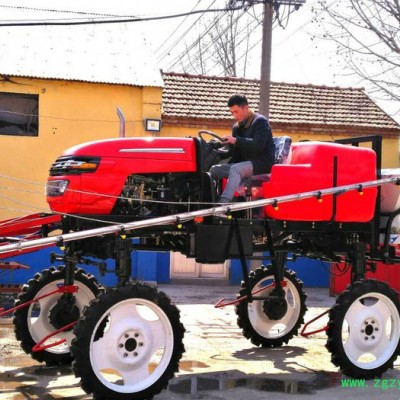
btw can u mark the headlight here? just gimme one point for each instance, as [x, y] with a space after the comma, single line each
[74, 165]
[56, 188]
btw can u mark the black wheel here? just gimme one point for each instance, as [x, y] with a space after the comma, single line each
[128, 343]
[364, 329]
[272, 323]
[33, 323]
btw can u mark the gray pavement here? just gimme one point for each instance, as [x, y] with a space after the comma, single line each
[219, 363]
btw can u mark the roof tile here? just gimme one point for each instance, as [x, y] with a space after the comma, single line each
[197, 96]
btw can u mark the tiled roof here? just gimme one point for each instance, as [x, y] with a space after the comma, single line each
[110, 53]
[205, 97]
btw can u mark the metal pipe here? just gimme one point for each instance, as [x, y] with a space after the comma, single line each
[121, 122]
[187, 216]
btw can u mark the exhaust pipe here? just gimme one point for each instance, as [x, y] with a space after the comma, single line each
[121, 122]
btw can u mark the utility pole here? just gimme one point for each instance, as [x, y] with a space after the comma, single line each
[265, 76]
[266, 54]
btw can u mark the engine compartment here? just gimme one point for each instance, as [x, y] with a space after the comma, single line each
[145, 195]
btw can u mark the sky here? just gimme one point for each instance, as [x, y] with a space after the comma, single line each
[296, 58]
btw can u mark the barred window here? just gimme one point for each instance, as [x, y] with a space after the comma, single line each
[19, 114]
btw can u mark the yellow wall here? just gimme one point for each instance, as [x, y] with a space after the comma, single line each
[390, 146]
[69, 113]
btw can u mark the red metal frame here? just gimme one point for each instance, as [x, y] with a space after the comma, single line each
[27, 224]
[39, 345]
[60, 289]
[12, 265]
[5, 267]
[221, 304]
[28, 227]
[325, 328]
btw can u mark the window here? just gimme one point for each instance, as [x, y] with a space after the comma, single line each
[19, 114]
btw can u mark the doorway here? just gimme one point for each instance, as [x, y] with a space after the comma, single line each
[183, 267]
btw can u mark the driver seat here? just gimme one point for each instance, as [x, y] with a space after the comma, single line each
[283, 155]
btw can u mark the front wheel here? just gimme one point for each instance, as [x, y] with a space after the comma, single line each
[364, 329]
[34, 322]
[272, 323]
[128, 343]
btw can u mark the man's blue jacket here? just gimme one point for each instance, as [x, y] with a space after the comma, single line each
[254, 143]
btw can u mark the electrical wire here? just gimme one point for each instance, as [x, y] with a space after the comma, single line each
[19, 180]
[196, 42]
[183, 35]
[176, 29]
[107, 20]
[141, 201]
[42, 210]
[224, 31]
[248, 50]
[343, 271]
[187, 68]
[66, 119]
[216, 20]
[16, 219]
[57, 11]
[86, 218]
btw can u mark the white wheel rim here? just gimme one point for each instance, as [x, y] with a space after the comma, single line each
[39, 326]
[136, 347]
[371, 330]
[274, 329]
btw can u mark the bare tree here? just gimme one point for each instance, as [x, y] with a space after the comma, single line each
[224, 39]
[367, 35]
[216, 50]
[227, 39]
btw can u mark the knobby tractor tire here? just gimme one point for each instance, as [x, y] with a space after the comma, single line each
[128, 343]
[32, 323]
[364, 329]
[256, 325]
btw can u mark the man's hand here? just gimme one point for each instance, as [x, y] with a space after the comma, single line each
[229, 139]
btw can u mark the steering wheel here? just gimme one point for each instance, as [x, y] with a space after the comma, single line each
[214, 135]
[222, 147]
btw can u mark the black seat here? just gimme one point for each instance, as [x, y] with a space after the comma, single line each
[283, 146]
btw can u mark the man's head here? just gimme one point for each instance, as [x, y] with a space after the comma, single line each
[239, 107]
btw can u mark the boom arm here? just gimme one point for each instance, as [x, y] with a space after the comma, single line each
[187, 216]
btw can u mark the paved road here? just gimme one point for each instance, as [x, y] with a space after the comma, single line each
[219, 362]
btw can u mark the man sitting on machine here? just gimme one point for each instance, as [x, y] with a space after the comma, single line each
[253, 149]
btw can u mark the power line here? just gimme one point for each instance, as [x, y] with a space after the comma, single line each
[237, 44]
[198, 42]
[63, 118]
[57, 11]
[179, 59]
[183, 35]
[177, 28]
[71, 21]
[195, 43]
[243, 55]
[184, 66]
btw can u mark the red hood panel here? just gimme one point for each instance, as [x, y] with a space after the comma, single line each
[179, 149]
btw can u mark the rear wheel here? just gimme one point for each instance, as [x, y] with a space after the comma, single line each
[128, 343]
[34, 322]
[364, 329]
[272, 323]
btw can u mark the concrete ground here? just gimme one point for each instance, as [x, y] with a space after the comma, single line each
[219, 362]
